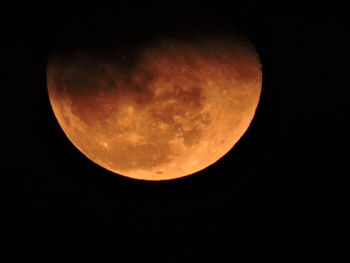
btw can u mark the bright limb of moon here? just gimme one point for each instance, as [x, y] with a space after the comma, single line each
[168, 110]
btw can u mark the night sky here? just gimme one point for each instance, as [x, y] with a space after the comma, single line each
[266, 196]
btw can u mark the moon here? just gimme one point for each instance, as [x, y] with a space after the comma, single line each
[159, 110]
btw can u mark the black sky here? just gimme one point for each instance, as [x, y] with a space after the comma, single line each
[266, 195]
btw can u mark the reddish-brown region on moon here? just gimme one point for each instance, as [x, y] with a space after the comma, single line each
[163, 111]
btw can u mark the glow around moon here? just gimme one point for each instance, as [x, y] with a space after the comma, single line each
[162, 111]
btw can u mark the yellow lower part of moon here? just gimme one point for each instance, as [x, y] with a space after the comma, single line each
[173, 110]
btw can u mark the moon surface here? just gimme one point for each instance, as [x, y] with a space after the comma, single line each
[157, 111]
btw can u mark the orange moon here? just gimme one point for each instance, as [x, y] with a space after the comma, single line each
[160, 111]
